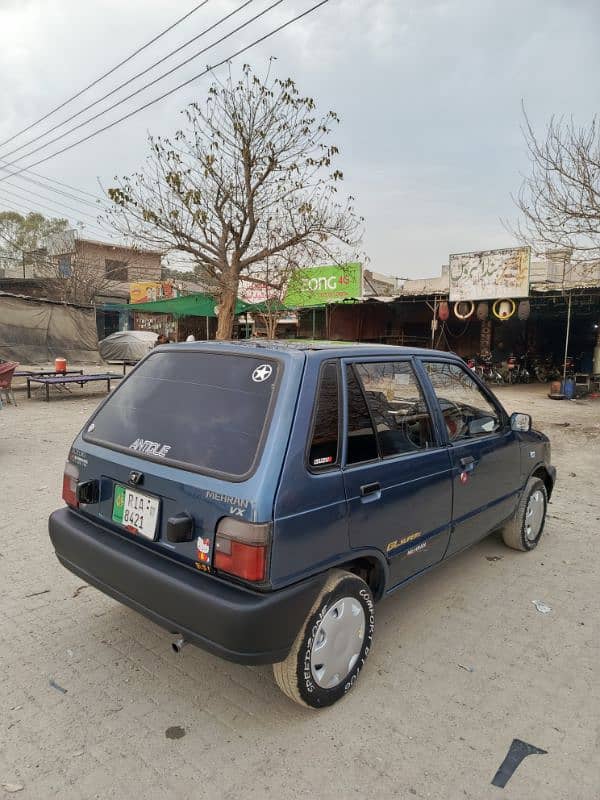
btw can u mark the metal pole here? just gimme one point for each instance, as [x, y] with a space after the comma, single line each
[433, 322]
[207, 330]
[567, 342]
[313, 321]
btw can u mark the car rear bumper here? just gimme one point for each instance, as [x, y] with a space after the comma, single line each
[228, 620]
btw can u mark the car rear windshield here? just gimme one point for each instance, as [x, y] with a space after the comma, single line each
[206, 411]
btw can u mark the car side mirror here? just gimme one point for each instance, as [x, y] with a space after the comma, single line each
[520, 422]
[482, 425]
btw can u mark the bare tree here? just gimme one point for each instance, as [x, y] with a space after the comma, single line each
[72, 278]
[249, 178]
[560, 198]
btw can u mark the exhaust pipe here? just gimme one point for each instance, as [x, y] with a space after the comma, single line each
[178, 645]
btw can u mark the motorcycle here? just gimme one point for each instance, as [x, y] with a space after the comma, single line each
[487, 370]
[516, 369]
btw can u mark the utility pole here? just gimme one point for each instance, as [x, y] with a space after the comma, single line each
[567, 341]
[434, 323]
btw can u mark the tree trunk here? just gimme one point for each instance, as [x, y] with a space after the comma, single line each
[227, 311]
[271, 321]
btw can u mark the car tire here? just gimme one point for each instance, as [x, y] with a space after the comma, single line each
[525, 529]
[332, 645]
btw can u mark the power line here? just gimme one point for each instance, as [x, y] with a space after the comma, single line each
[49, 200]
[121, 86]
[145, 86]
[106, 74]
[56, 191]
[170, 92]
[31, 208]
[10, 205]
[24, 176]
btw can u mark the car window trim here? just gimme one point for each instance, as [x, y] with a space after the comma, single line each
[502, 414]
[414, 363]
[318, 470]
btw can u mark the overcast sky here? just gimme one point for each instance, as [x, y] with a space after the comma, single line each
[429, 95]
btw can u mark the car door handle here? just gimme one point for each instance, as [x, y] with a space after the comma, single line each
[467, 461]
[371, 490]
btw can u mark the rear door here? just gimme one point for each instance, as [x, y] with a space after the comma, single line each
[181, 437]
[397, 474]
[485, 453]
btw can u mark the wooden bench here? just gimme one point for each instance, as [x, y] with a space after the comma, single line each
[64, 380]
[24, 373]
[125, 362]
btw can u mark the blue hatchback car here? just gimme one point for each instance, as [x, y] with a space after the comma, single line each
[257, 499]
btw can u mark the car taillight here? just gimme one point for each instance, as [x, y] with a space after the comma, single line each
[70, 481]
[241, 549]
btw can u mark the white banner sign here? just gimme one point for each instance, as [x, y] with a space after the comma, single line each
[489, 274]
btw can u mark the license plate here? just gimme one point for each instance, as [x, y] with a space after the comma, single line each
[136, 512]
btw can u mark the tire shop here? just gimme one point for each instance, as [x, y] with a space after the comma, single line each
[516, 319]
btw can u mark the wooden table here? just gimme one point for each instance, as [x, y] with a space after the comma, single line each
[64, 380]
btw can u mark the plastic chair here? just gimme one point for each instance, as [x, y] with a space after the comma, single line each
[7, 369]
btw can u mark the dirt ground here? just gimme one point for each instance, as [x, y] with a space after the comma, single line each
[93, 703]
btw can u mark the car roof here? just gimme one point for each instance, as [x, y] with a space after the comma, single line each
[325, 349]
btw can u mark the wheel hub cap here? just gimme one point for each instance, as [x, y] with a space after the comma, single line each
[534, 515]
[337, 643]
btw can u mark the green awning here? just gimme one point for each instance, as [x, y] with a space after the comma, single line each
[190, 305]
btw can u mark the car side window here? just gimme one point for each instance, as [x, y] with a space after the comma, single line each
[362, 444]
[398, 408]
[324, 445]
[467, 412]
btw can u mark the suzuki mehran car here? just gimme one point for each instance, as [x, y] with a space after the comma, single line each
[257, 499]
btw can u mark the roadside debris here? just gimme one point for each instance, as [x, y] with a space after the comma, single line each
[466, 668]
[36, 594]
[80, 589]
[11, 788]
[55, 685]
[493, 558]
[542, 607]
[517, 751]
[175, 732]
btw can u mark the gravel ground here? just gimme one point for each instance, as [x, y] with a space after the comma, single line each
[93, 704]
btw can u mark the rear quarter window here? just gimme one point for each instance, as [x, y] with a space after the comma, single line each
[204, 411]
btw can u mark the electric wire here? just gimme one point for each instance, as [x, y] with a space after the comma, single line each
[59, 192]
[106, 74]
[142, 88]
[10, 205]
[119, 87]
[49, 200]
[176, 88]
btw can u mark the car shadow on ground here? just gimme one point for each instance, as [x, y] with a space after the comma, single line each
[197, 682]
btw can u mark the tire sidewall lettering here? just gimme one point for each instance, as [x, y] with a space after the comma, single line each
[313, 694]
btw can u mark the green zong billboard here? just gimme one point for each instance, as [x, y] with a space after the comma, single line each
[316, 286]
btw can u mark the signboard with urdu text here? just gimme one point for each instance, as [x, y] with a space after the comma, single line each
[316, 286]
[489, 274]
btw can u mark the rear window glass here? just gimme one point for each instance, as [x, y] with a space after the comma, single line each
[205, 410]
